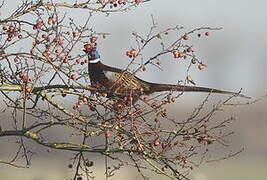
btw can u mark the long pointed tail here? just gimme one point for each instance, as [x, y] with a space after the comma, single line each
[169, 87]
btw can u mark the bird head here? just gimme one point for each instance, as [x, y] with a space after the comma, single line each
[93, 55]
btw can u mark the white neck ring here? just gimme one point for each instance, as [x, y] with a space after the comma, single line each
[94, 61]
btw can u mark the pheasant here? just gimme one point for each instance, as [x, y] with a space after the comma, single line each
[122, 82]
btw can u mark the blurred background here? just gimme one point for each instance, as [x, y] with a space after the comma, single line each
[236, 58]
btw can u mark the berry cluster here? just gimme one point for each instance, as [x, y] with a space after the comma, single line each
[132, 53]
[11, 31]
[81, 100]
[183, 54]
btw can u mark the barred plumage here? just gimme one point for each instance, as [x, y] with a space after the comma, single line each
[118, 81]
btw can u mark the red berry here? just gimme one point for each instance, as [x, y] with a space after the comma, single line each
[21, 75]
[137, 1]
[185, 37]
[164, 169]
[9, 39]
[156, 143]
[178, 55]
[133, 53]
[11, 29]
[50, 21]
[201, 66]
[57, 51]
[75, 34]
[46, 54]
[128, 53]
[207, 33]
[169, 99]
[38, 25]
[65, 60]
[78, 61]
[24, 77]
[58, 41]
[84, 99]
[145, 99]
[189, 49]
[119, 106]
[73, 76]
[130, 98]
[93, 39]
[120, 2]
[28, 90]
[37, 41]
[181, 55]
[45, 36]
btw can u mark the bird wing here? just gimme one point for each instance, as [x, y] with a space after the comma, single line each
[122, 81]
[126, 82]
